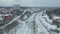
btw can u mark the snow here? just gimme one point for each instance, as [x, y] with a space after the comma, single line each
[25, 17]
[1, 16]
[40, 23]
[26, 28]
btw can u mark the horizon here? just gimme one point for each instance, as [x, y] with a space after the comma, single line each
[31, 3]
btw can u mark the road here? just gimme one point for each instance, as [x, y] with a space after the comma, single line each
[41, 28]
[33, 25]
[32, 22]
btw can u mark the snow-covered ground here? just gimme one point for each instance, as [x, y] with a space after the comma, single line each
[35, 24]
[27, 27]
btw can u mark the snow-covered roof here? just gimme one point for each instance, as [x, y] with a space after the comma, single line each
[8, 14]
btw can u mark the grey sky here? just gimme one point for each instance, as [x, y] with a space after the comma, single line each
[31, 3]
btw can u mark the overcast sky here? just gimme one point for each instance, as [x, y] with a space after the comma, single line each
[31, 3]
